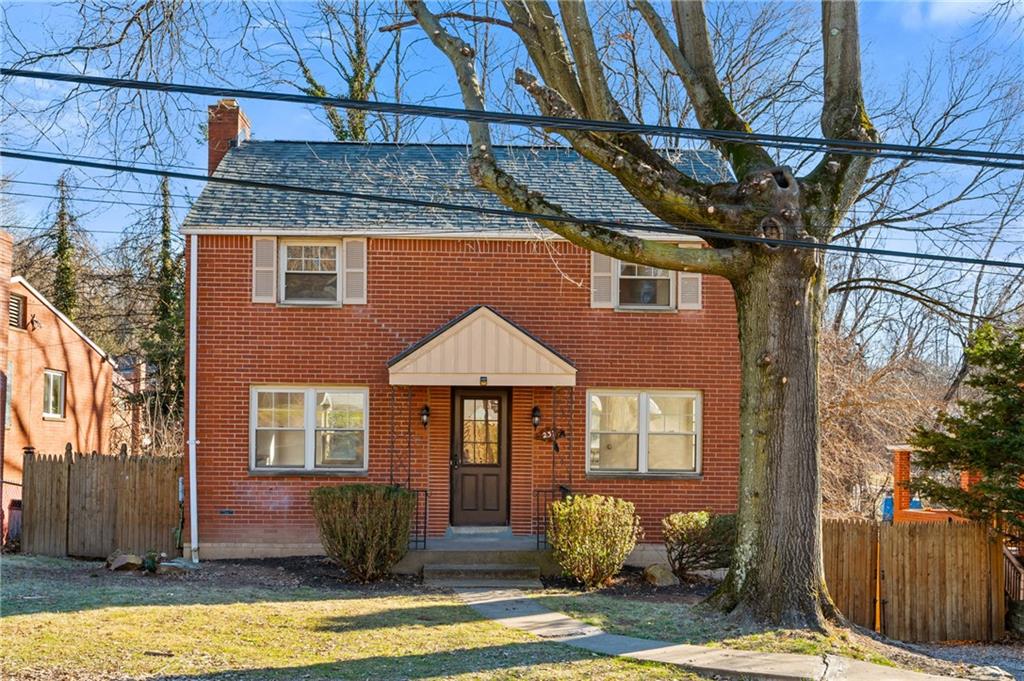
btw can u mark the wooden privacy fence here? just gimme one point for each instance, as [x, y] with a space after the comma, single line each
[89, 505]
[917, 581]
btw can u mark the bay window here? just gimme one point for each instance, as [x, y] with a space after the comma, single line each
[643, 432]
[308, 429]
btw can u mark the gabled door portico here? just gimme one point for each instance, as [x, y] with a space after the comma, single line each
[481, 355]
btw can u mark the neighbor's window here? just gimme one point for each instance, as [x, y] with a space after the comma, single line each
[309, 428]
[16, 311]
[310, 272]
[644, 432]
[53, 393]
[645, 286]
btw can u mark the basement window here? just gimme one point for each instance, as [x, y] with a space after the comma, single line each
[308, 429]
[640, 432]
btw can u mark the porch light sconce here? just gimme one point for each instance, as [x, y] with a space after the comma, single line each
[425, 416]
[535, 416]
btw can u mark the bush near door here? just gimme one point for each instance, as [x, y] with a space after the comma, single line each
[364, 528]
[591, 536]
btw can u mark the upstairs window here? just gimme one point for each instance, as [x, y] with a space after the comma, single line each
[303, 271]
[631, 287]
[645, 286]
[53, 394]
[16, 311]
[310, 273]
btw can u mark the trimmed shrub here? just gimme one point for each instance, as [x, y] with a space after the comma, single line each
[698, 541]
[364, 528]
[591, 536]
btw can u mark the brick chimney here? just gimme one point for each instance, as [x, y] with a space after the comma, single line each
[900, 477]
[227, 127]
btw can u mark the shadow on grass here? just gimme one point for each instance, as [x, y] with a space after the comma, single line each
[486, 660]
[32, 585]
[695, 624]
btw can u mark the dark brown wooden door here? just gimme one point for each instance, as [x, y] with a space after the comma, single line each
[480, 457]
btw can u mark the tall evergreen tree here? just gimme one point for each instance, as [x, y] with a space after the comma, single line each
[985, 440]
[164, 346]
[65, 281]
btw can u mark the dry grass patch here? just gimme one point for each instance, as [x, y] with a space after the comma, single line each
[59, 622]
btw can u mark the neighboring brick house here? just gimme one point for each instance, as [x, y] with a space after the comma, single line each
[58, 380]
[337, 340]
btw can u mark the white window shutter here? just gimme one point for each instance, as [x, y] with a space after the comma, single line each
[354, 268]
[689, 291]
[264, 270]
[602, 280]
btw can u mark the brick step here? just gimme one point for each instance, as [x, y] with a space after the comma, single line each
[480, 571]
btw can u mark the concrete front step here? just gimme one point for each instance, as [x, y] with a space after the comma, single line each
[480, 571]
[415, 562]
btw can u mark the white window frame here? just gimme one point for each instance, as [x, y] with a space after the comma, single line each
[643, 405]
[309, 428]
[47, 374]
[282, 260]
[617, 278]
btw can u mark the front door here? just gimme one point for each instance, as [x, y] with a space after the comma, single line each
[479, 460]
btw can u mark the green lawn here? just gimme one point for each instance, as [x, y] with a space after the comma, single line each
[65, 619]
[682, 623]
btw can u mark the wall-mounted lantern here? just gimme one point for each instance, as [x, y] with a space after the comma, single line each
[425, 416]
[535, 416]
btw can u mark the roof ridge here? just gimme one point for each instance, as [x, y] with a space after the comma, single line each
[457, 145]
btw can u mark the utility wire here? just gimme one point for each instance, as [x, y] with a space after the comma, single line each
[112, 202]
[896, 222]
[501, 212]
[974, 157]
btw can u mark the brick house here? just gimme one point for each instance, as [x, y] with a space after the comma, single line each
[58, 380]
[475, 357]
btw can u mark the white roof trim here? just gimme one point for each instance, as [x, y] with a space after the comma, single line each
[482, 348]
[60, 315]
[541, 234]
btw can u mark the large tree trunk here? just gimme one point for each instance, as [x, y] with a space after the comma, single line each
[777, 573]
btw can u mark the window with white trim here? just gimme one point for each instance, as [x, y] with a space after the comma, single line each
[310, 272]
[54, 388]
[631, 287]
[645, 286]
[643, 432]
[308, 428]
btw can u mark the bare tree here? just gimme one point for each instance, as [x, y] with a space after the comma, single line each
[776, 572]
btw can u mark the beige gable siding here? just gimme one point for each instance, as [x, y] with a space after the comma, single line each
[483, 346]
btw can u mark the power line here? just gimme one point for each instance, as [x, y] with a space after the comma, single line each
[501, 212]
[120, 190]
[88, 200]
[975, 157]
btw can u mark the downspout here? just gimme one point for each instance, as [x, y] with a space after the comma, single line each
[193, 503]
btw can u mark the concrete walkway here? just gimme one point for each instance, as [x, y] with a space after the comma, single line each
[514, 609]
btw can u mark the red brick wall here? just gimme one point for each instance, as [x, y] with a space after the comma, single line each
[51, 344]
[414, 286]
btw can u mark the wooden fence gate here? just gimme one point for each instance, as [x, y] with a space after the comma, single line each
[89, 505]
[917, 581]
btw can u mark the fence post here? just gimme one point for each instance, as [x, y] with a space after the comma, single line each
[69, 455]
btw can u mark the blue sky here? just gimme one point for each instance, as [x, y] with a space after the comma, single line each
[895, 36]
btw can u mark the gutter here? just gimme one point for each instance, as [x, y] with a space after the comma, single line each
[193, 503]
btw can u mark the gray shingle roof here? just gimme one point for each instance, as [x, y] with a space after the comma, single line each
[436, 172]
